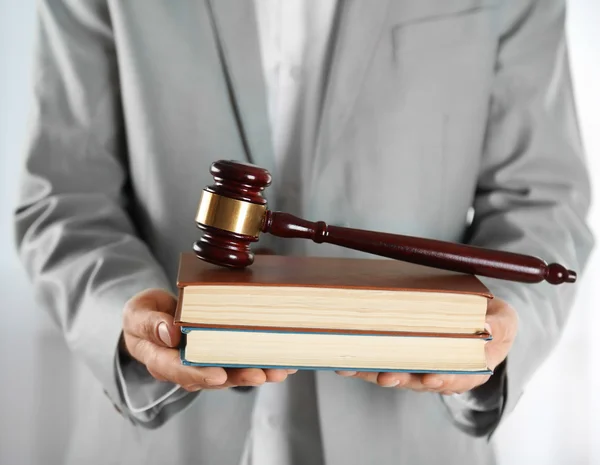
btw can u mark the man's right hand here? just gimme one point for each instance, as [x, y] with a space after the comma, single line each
[150, 337]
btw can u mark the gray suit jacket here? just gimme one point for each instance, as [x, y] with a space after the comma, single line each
[431, 108]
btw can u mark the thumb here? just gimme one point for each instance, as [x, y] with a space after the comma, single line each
[149, 316]
[168, 333]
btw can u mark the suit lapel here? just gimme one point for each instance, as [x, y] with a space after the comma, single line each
[237, 34]
[359, 29]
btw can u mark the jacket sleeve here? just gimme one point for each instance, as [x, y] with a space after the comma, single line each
[533, 196]
[73, 231]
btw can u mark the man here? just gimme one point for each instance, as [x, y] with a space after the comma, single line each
[398, 116]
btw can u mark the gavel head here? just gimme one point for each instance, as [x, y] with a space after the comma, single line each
[231, 213]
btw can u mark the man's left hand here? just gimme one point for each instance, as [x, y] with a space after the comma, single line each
[501, 322]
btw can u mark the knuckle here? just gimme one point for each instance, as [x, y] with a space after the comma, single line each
[131, 305]
[154, 357]
[127, 316]
[192, 387]
[190, 382]
[135, 347]
[174, 358]
[146, 328]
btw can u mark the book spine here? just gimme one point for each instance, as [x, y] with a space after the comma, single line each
[177, 316]
[322, 368]
[267, 329]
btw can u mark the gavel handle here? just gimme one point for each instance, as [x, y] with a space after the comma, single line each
[428, 252]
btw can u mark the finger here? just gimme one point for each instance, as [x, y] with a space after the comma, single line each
[369, 376]
[401, 380]
[147, 319]
[437, 382]
[276, 375]
[384, 379]
[210, 388]
[165, 364]
[393, 379]
[162, 300]
[456, 384]
[246, 376]
[414, 382]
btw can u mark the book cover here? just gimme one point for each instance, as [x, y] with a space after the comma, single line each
[319, 272]
[341, 273]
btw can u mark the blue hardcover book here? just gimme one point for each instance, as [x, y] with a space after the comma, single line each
[315, 350]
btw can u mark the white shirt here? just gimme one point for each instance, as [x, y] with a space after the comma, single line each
[294, 37]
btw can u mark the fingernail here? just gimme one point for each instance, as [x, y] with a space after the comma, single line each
[488, 328]
[393, 384]
[163, 333]
[291, 372]
[347, 373]
[213, 381]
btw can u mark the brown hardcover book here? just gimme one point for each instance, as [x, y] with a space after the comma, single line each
[330, 313]
[311, 294]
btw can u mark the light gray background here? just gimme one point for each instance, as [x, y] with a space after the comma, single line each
[557, 421]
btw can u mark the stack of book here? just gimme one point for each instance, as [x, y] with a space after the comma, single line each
[331, 313]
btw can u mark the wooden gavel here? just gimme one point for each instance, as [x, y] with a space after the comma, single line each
[232, 213]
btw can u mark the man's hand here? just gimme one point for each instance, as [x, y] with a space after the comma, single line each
[150, 337]
[502, 322]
